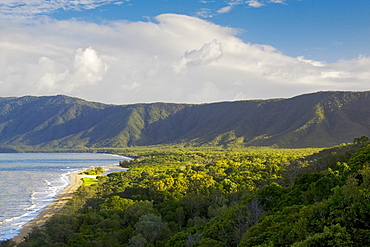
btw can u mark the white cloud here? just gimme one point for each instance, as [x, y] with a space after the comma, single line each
[204, 13]
[312, 62]
[24, 10]
[206, 90]
[176, 59]
[209, 53]
[277, 1]
[230, 6]
[224, 10]
[255, 3]
[250, 3]
[89, 68]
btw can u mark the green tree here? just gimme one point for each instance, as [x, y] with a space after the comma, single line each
[363, 140]
[150, 226]
[135, 211]
[137, 241]
[335, 236]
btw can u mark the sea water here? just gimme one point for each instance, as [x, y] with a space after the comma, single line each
[30, 181]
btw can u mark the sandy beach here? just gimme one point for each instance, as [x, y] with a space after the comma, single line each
[58, 203]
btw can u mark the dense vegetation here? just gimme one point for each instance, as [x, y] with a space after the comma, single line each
[217, 197]
[63, 123]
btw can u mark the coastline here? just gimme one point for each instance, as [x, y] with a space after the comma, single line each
[58, 203]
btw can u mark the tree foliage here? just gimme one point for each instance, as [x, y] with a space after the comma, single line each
[222, 197]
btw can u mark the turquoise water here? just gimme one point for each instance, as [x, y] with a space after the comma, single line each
[29, 181]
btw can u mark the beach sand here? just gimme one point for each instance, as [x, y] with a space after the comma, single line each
[57, 203]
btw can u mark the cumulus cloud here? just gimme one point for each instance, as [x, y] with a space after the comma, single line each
[88, 67]
[37, 60]
[209, 53]
[177, 58]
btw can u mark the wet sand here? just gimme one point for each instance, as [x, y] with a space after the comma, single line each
[58, 203]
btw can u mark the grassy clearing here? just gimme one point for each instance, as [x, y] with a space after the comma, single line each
[89, 181]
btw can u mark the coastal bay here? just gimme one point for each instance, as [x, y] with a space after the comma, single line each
[58, 203]
[32, 183]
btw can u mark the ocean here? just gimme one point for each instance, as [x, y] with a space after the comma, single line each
[30, 181]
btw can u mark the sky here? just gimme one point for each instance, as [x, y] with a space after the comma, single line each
[183, 51]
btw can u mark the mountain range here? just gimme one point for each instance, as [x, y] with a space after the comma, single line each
[319, 119]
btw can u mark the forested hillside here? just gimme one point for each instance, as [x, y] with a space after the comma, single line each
[215, 197]
[314, 120]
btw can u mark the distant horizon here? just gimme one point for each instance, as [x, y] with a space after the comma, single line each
[165, 102]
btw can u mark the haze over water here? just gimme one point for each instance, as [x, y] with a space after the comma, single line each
[29, 181]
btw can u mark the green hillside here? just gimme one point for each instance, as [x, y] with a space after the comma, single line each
[313, 120]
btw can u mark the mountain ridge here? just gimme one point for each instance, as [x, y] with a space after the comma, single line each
[310, 120]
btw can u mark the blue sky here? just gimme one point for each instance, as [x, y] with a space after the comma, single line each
[323, 30]
[183, 51]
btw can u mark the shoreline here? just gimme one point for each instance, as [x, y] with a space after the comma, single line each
[57, 204]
